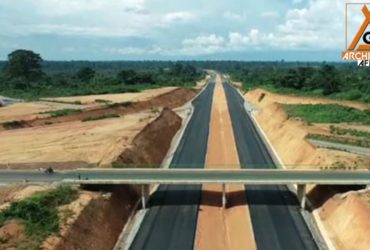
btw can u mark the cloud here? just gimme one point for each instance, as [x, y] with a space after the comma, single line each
[75, 17]
[203, 44]
[178, 17]
[270, 14]
[234, 16]
[170, 29]
[134, 50]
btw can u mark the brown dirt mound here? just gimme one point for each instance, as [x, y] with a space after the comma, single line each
[11, 234]
[172, 99]
[152, 143]
[348, 220]
[99, 224]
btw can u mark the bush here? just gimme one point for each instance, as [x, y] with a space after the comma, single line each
[14, 124]
[101, 117]
[120, 104]
[62, 112]
[262, 96]
[39, 213]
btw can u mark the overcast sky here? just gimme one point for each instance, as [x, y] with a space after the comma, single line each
[172, 29]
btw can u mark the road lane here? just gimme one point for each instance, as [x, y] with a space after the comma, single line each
[171, 220]
[275, 212]
[220, 228]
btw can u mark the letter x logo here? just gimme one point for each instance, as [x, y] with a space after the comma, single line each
[361, 33]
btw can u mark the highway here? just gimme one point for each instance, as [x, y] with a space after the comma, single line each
[275, 212]
[171, 220]
[188, 176]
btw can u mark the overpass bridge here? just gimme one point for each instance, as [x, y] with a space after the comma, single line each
[146, 177]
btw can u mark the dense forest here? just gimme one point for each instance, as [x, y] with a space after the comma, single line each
[335, 80]
[25, 75]
[52, 78]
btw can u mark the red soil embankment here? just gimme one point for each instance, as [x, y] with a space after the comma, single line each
[99, 224]
[152, 143]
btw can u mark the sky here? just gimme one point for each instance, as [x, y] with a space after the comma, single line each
[304, 30]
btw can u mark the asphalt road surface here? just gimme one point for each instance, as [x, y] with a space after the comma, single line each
[275, 212]
[171, 220]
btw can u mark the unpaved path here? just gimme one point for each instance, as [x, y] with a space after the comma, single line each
[220, 228]
[115, 98]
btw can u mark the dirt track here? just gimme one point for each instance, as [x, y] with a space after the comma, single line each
[220, 228]
[115, 98]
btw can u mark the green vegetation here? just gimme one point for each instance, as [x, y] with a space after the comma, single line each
[262, 96]
[13, 124]
[337, 81]
[100, 117]
[26, 76]
[102, 101]
[340, 166]
[64, 102]
[349, 131]
[342, 140]
[62, 112]
[328, 113]
[39, 214]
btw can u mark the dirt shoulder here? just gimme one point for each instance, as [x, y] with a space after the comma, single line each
[220, 228]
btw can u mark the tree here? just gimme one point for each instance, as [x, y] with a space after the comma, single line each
[85, 74]
[127, 76]
[329, 80]
[24, 64]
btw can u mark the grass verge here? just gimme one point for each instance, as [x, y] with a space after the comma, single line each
[342, 140]
[349, 131]
[62, 112]
[328, 113]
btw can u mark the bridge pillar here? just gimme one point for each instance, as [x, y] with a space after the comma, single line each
[301, 193]
[223, 195]
[144, 195]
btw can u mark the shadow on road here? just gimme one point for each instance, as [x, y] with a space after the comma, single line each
[271, 197]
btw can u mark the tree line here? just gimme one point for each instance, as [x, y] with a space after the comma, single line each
[26, 75]
[335, 80]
